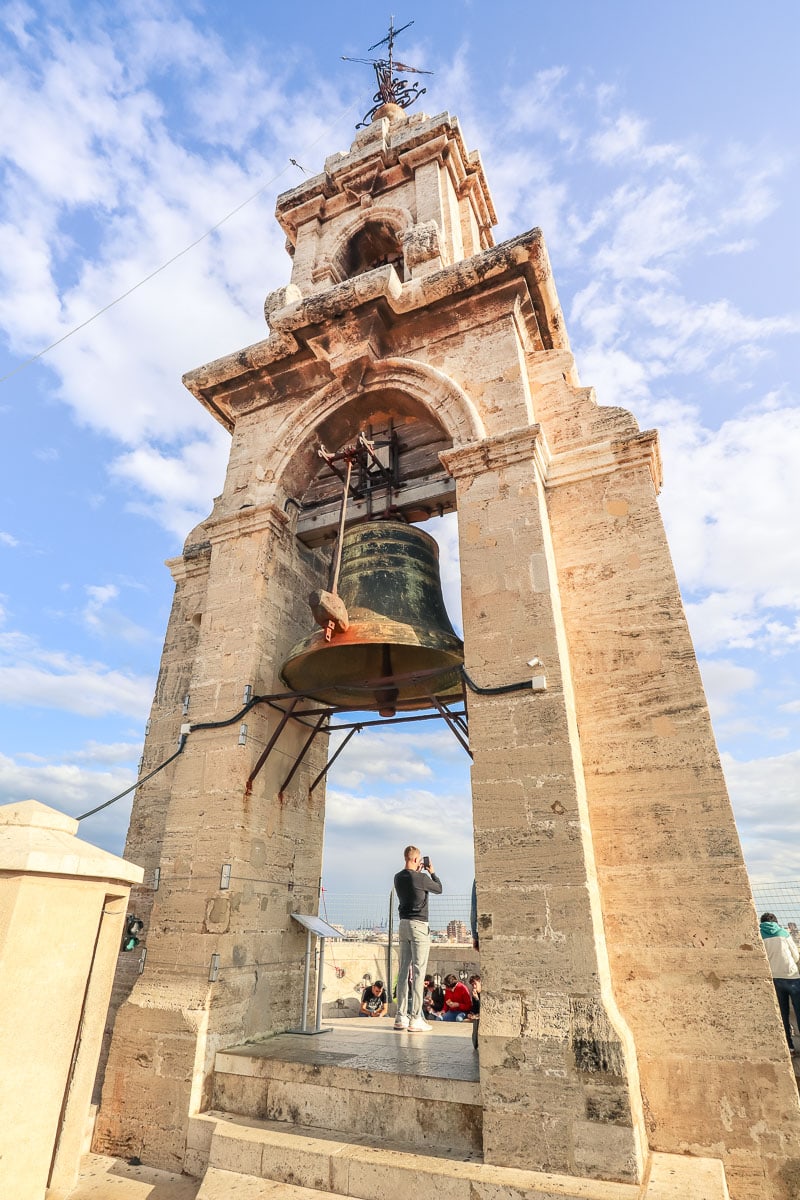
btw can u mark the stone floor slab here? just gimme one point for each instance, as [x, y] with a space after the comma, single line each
[104, 1178]
[446, 1052]
[674, 1178]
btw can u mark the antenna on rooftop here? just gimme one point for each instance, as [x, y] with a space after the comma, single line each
[390, 90]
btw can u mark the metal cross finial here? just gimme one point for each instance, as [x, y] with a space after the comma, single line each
[390, 90]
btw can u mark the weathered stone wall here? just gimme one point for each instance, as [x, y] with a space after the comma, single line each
[176, 1017]
[687, 960]
[558, 1070]
[145, 839]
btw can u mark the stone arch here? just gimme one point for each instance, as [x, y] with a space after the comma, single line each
[372, 238]
[424, 389]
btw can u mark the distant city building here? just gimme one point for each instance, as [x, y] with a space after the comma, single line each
[457, 932]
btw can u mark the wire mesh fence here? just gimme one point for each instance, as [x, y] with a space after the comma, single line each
[361, 918]
[365, 917]
[782, 899]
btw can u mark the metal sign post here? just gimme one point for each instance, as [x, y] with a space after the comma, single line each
[322, 930]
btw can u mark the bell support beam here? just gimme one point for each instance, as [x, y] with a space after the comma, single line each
[434, 495]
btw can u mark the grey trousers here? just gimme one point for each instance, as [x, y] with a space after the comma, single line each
[414, 941]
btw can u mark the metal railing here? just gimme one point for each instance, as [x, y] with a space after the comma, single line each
[366, 917]
[781, 898]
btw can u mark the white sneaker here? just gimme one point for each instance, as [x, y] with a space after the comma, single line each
[417, 1025]
[400, 1022]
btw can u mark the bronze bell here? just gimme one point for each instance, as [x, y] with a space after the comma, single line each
[394, 647]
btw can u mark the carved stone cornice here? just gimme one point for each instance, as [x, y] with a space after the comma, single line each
[261, 518]
[495, 453]
[383, 147]
[603, 458]
[192, 565]
[569, 466]
[223, 384]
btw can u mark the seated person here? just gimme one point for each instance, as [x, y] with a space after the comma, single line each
[475, 989]
[432, 999]
[373, 1001]
[457, 1000]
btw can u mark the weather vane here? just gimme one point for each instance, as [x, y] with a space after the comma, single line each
[390, 90]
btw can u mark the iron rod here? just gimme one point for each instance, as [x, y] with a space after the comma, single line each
[337, 558]
[391, 721]
[320, 983]
[448, 717]
[267, 749]
[306, 978]
[390, 931]
[302, 753]
[333, 758]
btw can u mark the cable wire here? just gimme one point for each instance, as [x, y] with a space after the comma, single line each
[111, 304]
[144, 779]
[524, 685]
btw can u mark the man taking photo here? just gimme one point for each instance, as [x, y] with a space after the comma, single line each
[413, 885]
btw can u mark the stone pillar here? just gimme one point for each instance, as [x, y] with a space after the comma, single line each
[62, 914]
[145, 841]
[687, 961]
[558, 1068]
[187, 1004]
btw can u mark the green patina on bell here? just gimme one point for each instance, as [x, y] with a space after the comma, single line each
[399, 647]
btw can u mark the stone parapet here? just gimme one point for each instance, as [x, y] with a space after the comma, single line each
[62, 912]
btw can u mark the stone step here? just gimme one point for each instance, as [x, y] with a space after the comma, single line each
[329, 1162]
[231, 1185]
[321, 1088]
[332, 1165]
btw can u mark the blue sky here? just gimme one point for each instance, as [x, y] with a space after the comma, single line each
[657, 148]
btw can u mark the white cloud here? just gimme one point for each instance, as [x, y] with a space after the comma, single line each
[32, 675]
[729, 507]
[380, 826]
[724, 681]
[87, 135]
[765, 794]
[176, 486]
[394, 756]
[625, 137]
[445, 531]
[103, 618]
[544, 105]
[107, 753]
[653, 225]
[73, 789]
[8, 539]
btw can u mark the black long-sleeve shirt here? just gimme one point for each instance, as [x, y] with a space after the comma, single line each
[412, 889]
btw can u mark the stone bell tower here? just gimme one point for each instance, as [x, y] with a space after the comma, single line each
[627, 1004]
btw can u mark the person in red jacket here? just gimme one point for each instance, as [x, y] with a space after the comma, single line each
[457, 999]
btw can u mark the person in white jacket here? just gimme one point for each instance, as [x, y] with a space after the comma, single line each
[784, 957]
